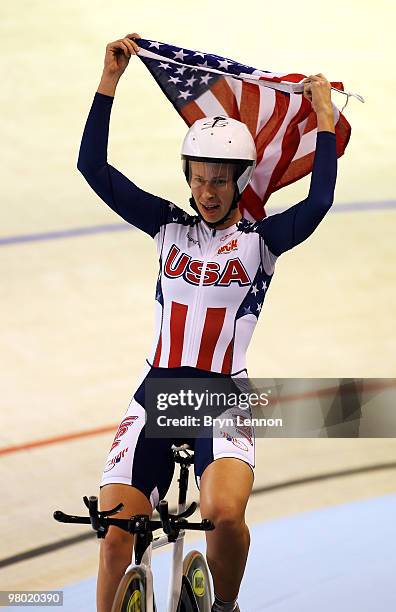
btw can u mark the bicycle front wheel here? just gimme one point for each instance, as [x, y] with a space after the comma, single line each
[196, 571]
[131, 593]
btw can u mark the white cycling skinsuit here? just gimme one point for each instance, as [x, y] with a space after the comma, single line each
[209, 294]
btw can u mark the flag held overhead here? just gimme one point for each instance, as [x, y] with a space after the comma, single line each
[281, 121]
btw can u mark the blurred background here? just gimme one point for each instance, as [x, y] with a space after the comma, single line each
[78, 310]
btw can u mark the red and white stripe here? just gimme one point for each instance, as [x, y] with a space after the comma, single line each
[210, 341]
[284, 127]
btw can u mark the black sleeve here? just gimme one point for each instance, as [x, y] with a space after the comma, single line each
[143, 210]
[285, 230]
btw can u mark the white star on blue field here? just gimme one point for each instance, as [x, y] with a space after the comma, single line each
[184, 83]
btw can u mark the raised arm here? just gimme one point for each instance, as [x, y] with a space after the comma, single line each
[143, 210]
[285, 230]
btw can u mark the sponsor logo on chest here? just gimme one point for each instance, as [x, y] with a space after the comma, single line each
[230, 246]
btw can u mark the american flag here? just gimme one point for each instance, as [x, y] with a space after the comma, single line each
[281, 121]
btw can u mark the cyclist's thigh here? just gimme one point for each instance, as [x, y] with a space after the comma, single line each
[145, 464]
[225, 488]
[228, 439]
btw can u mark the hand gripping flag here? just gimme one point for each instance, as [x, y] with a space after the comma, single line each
[280, 119]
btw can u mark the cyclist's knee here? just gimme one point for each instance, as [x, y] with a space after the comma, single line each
[116, 549]
[133, 500]
[225, 515]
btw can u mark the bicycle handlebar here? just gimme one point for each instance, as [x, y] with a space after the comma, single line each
[163, 511]
[140, 523]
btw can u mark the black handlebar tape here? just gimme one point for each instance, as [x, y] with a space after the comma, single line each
[66, 518]
[164, 516]
[187, 512]
[93, 505]
[207, 524]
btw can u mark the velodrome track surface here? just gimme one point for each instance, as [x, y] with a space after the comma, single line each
[77, 297]
[72, 314]
[335, 558]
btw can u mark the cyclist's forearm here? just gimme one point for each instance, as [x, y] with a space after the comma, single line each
[285, 230]
[324, 171]
[108, 84]
[325, 121]
[93, 149]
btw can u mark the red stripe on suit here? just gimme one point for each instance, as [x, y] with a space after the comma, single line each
[214, 320]
[158, 352]
[177, 326]
[226, 367]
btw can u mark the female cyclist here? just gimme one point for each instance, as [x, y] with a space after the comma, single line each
[215, 268]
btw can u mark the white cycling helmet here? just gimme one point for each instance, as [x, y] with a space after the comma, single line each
[222, 140]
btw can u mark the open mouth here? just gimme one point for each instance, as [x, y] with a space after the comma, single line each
[211, 207]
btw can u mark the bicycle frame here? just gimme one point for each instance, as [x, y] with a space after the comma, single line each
[174, 527]
[175, 577]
